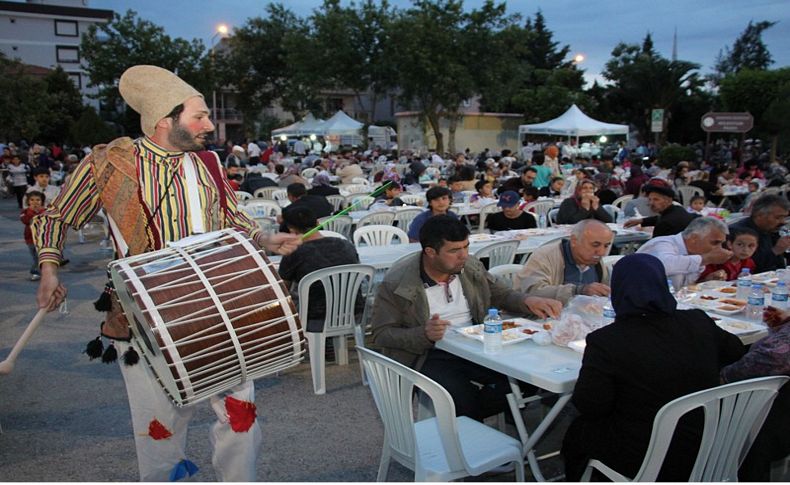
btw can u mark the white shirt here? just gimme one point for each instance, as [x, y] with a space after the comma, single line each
[253, 150]
[681, 267]
[457, 310]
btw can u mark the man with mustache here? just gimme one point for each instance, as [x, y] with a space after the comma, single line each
[158, 188]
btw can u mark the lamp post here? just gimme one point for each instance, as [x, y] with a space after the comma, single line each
[221, 30]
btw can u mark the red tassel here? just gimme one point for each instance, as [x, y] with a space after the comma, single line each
[241, 414]
[157, 430]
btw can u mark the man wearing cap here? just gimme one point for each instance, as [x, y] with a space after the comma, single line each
[671, 218]
[511, 217]
[156, 189]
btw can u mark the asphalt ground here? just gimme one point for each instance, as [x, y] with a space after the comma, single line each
[65, 418]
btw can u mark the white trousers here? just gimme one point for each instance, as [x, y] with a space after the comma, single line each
[160, 428]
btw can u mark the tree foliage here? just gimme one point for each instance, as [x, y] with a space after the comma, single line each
[748, 52]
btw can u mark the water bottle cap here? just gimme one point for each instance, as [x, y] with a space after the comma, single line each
[493, 311]
[757, 286]
[745, 270]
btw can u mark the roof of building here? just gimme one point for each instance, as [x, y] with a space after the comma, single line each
[38, 8]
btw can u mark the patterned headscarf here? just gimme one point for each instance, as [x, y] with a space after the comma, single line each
[321, 178]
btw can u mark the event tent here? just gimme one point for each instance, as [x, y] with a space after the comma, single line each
[574, 123]
[341, 124]
[307, 126]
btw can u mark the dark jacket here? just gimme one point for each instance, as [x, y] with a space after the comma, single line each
[764, 257]
[255, 181]
[571, 212]
[670, 222]
[324, 190]
[318, 204]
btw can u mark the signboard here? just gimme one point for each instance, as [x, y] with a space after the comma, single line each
[727, 122]
[657, 121]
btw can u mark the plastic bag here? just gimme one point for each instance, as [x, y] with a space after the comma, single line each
[582, 315]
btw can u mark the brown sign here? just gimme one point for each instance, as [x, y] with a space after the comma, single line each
[727, 122]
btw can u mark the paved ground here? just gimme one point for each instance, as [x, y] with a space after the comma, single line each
[66, 419]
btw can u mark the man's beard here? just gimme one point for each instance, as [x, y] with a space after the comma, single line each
[182, 139]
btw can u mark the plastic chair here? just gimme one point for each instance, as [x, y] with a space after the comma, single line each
[541, 208]
[281, 197]
[357, 189]
[553, 216]
[337, 201]
[500, 252]
[611, 210]
[382, 218]
[405, 217]
[621, 201]
[376, 235]
[342, 286]
[242, 196]
[341, 224]
[309, 173]
[365, 201]
[265, 193]
[261, 208]
[734, 414]
[484, 212]
[360, 181]
[413, 199]
[508, 274]
[687, 192]
[438, 449]
[332, 234]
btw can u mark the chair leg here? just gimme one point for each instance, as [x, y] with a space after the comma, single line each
[341, 350]
[316, 344]
[384, 464]
[359, 341]
[520, 476]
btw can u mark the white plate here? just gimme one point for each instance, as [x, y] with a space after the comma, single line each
[737, 327]
[473, 238]
[509, 336]
[715, 305]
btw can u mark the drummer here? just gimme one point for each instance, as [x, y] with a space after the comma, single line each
[177, 190]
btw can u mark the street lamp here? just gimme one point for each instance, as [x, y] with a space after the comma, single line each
[578, 58]
[602, 139]
[221, 30]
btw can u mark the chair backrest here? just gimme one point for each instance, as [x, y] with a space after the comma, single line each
[541, 208]
[342, 286]
[241, 195]
[508, 274]
[337, 201]
[687, 192]
[392, 385]
[734, 414]
[405, 217]
[610, 261]
[621, 201]
[362, 201]
[381, 218]
[375, 235]
[357, 189]
[265, 193]
[553, 216]
[360, 181]
[326, 233]
[340, 224]
[261, 208]
[500, 252]
[484, 212]
[309, 173]
[415, 199]
[280, 196]
[611, 210]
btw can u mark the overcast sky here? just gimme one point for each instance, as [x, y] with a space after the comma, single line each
[592, 28]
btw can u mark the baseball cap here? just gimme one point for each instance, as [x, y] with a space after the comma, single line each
[508, 199]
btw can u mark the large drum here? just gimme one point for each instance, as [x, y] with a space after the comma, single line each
[209, 312]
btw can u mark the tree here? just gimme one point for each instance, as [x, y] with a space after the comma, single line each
[22, 102]
[109, 49]
[748, 52]
[64, 106]
[89, 129]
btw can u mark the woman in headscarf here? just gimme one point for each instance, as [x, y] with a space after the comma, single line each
[584, 204]
[322, 185]
[651, 354]
[635, 181]
[291, 176]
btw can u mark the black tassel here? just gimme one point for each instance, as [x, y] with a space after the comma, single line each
[109, 355]
[94, 348]
[131, 357]
[104, 303]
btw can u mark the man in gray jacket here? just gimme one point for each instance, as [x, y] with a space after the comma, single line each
[439, 287]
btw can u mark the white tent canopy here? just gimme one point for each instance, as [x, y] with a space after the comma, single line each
[574, 123]
[341, 124]
[307, 126]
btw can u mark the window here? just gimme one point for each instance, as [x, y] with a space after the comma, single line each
[76, 78]
[68, 54]
[66, 28]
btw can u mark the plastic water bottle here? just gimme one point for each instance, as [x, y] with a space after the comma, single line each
[744, 284]
[779, 296]
[608, 313]
[542, 221]
[756, 303]
[671, 286]
[620, 218]
[492, 332]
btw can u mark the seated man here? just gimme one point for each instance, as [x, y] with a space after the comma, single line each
[671, 218]
[297, 194]
[438, 204]
[767, 217]
[685, 255]
[567, 267]
[316, 252]
[438, 287]
[511, 217]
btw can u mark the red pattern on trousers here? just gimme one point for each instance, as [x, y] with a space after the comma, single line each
[241, 414]
[158, 431]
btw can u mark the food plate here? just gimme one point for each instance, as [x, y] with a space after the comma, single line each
[513, 330]
[723, 305]
[473, 238]
[737, 327]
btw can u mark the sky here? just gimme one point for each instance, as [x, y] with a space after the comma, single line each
[592, 28]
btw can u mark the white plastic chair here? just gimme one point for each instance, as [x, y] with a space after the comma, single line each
[621, 201]
[553, 216]
[500, 252]
[261, 208]
[375, 235]
[484, 212]
[404, 217]
[360, 181]
[611, 210]
[326, 233]
[438, 449]
[281, 197]
[734, 414]
[341, 224]
[309, 173]
[413, 199]
[364, 201]
[241, 196]
[687, 192]
[357, 189]
[265, 193]
[342, 286]
[540, 208]
[337, 201]
[382, 218]
[508, 274]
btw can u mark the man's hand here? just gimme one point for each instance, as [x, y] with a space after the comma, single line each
[50, 292]
[782, 245]
[435, 328]
[281, 242]
[632, 222]
[717, 255]
[596, 289]
[543, 307]
[775, 317]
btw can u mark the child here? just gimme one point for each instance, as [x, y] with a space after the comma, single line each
[754, 193]
[696, 205]
[34, 201]
[484, 195]
[742, 242]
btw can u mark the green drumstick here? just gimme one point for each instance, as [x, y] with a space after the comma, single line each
[345, 211]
